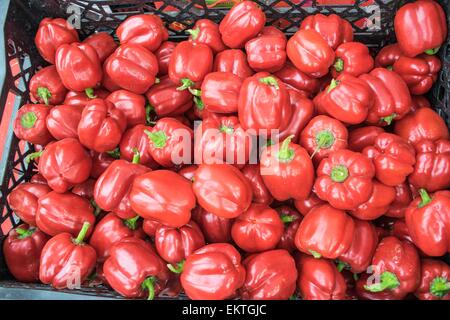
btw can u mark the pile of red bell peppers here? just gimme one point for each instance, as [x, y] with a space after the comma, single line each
[348, 198]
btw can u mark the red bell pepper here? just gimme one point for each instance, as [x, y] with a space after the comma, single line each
[78, 67]
[334, 29]
[347, 98]
[234, 61]
[174, 245]
[434, 284]
[207, 32]
[272, 31]
[264, 103]
[62, 121]
[101, 125]
[396, 269]
[86, 190]
[64, 164]
[29, 124]
[242, 23]
[213, 272]
[23, 200]
[352, 58]
[387, 56]
[344, 179]
[51, 34]
[393, 158]
[133, 268]
[257, 229]
[400, 230]
[325, 232]
[403, 198]
[222, 140]
[220, 92]
[260, 192]
[287, 170]
[266, 53]
[310, 53]
[419, 102]
[111, 230]
[391, 95]
[222, 190]
[38, 178]
[168, 140]
[80, 99]
[188, 172]
[378, 203]
[166, 100]
[428, 221]
[22, 251]
[270, 275]
[146, 30]
[135, 143]
[132, 67]
[46, 87]
[362, 137]
[67, 261]
[100, 162]
[323, 135]
[424, 124]
[190, 63]
[152, 197]
[215, 229]
[131, 104]
[149, 226]
[291, 220]
[420, 27]
[103, 43]
[297, 79]
[112, 189]
[163, 54]
[319, 279]
[304, 206]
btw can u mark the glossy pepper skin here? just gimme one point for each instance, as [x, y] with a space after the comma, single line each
[334, 29]
[80, 99]
[234, 61]
[64, 164]
[134, 270]
[207, 32]
[222, 190]
[287, 170]
[22, 251]
[392, 100]
[423, 124]
[112, 189]
[152, 197]
[291, 220]
[352, 58]
[260, 192]
[51, 34]
[393, 158]
[420, 27]
[100, 162]
[103, 43]
[46, 87]
[266, 53]
[189, 63]
[62, 121]
[23, 200]
[135, 143]
[131, 104]
[146, 30]
[270, 275]
[215, 229]
[101, 126]
[167, 100]
[398, 265]
[85, 190]
[344, 179]
[213, 272]
[325, 232]
[132, 67]
[323, 135]
[29, 124]
[257, 229]
[220, 92]
[78, 66]
[378, 203]
[434, 284]
[310, 53]
[175, 244]
[432, 168]
[362, 137]
[347, 99]
[387, 56]
[297, 79]
[110, 230]
[304, 206]
[428, 220]
[403, 197]
[264, 103]
[242, 23]
[419, 73]
[319, 279]
[65, 258]
[163, 54]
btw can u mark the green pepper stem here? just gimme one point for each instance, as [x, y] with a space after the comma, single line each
[131, 223]
[33, 156]
[195, 92]
[159, 138]
[82, 233]
[315, 254]
[339, 65]
[432, 51]
[333, 84]
[226, 129]
[390, 68]
[185, 84]
[28, 120]
[44, 94]
[157, 80]
[339, 173]
[288, 218]
[148, 111]
[90, 93]
[426, 199]
[388, 119]
[114, 153]
[439, 287]
[388, 280]
[286, 154]
[271, 81]
[136, 156]
[22, 233]
[199, 103]
[193, 33]
[148, 284]
[97, 209]
[178, 268]
[341, 266]
[324, 140]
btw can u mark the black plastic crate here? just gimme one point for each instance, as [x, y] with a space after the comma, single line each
[372, 21]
